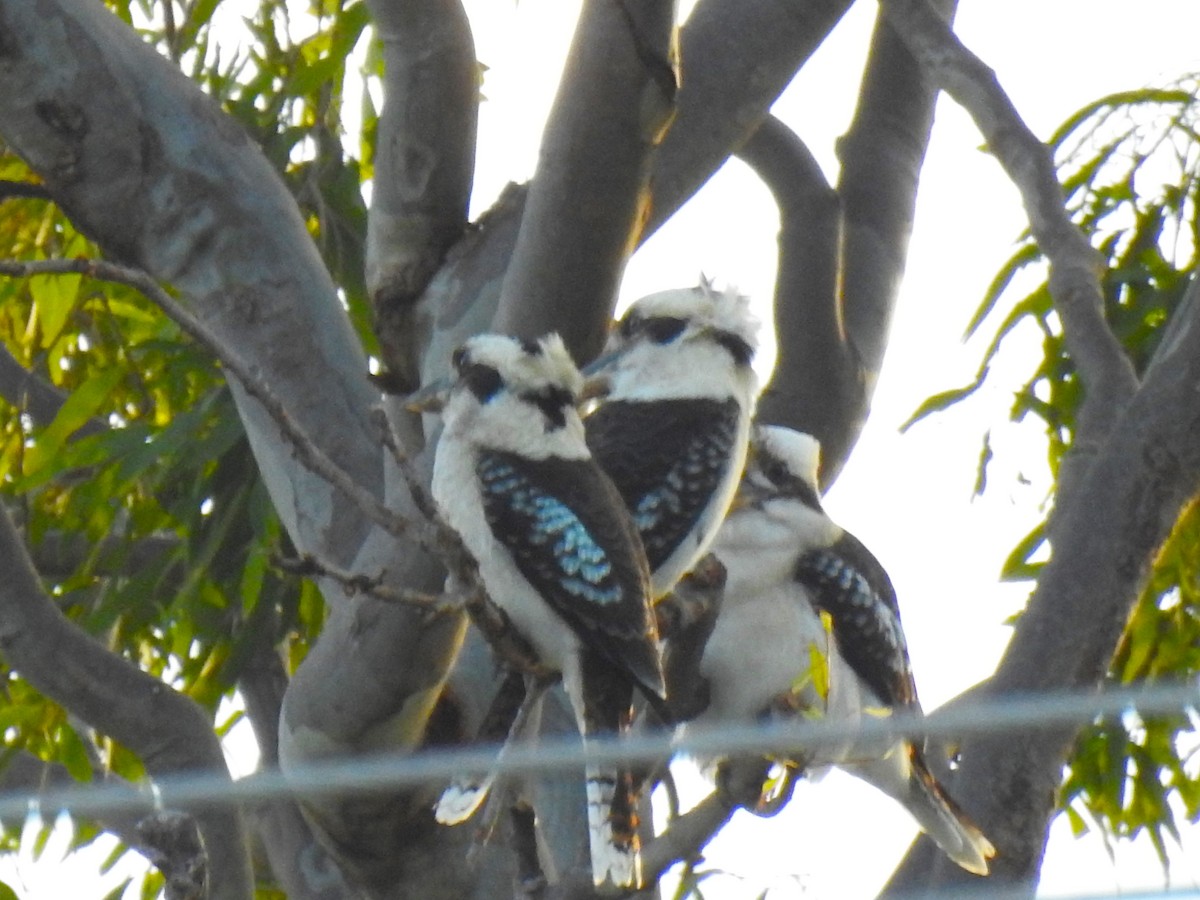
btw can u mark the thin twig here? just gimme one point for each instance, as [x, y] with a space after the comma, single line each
[308, 566]
[535, 689]
[1075, 267]
[434, 538]
[23, 190]
[441, 533]
[309, 454]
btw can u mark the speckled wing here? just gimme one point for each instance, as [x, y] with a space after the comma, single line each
[563, 522]
[666, 458]
[847, 581]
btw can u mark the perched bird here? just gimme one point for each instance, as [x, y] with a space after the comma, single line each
[556, 549]
[672, 432]
[800, 590]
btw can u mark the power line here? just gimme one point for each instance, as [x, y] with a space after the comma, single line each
[372, 773]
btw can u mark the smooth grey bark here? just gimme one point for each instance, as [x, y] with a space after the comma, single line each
[167, 730]
[302, 866]
[736, 58]
[587, 204]
[424, 164]
[1134, 468]
[200, 194]
[186, 196]
[748, 51]
[189, 198]
[842, 250]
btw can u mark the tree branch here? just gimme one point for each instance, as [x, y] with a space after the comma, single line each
[302, 867]
[881, 158]
[588, 202]
[817, 383]
[308, 451]
[751, 50]
[22, 772]
[200, 208]
[166, 730]
[1111, 525]
[1074, 266]
[34, 396]
[737, 56]
[1111, 514]
[23, 190]
[424, 164]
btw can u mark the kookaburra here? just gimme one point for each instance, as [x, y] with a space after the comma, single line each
[557, 552]
[798, 584]
[672, 432]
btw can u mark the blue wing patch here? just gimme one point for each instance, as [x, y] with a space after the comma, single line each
[546, 536]
[568, 532]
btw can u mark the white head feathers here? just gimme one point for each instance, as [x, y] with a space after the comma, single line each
[799, 452]
[702, 306]
[524, 366]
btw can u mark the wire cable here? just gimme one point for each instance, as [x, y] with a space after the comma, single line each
[373, 773]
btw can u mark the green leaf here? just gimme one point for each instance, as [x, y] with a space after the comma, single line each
[943, 401]
[1114, 101]
[985, 457]
[79, 407]
[152, 884]
[1017, 566]
[42, 839]
[7, 893]
[1024, 256]
[55, 297]
[73, 754]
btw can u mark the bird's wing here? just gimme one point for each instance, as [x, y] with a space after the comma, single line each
[848, 582]
[666, 458]
[571, 538]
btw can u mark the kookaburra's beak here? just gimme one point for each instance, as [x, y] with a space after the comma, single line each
[749, 495]
[603, 363]
[431, 398]
[597, 382]
[595, 387]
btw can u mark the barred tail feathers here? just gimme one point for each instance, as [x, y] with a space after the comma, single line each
[612, 828]
[944, 820]
[462, 798]
[602, 698]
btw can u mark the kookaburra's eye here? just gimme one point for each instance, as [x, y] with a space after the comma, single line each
[458, 358]
[483, 381]
[664, 329]
[775, 471]
[628, 326]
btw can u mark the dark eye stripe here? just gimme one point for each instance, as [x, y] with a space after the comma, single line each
[553, 403]
[664, 329]
[739, 349]
[787, 484]
[531, 347]
[807, 494]
[483, 381]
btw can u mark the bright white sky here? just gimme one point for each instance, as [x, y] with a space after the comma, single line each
[908, 497]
